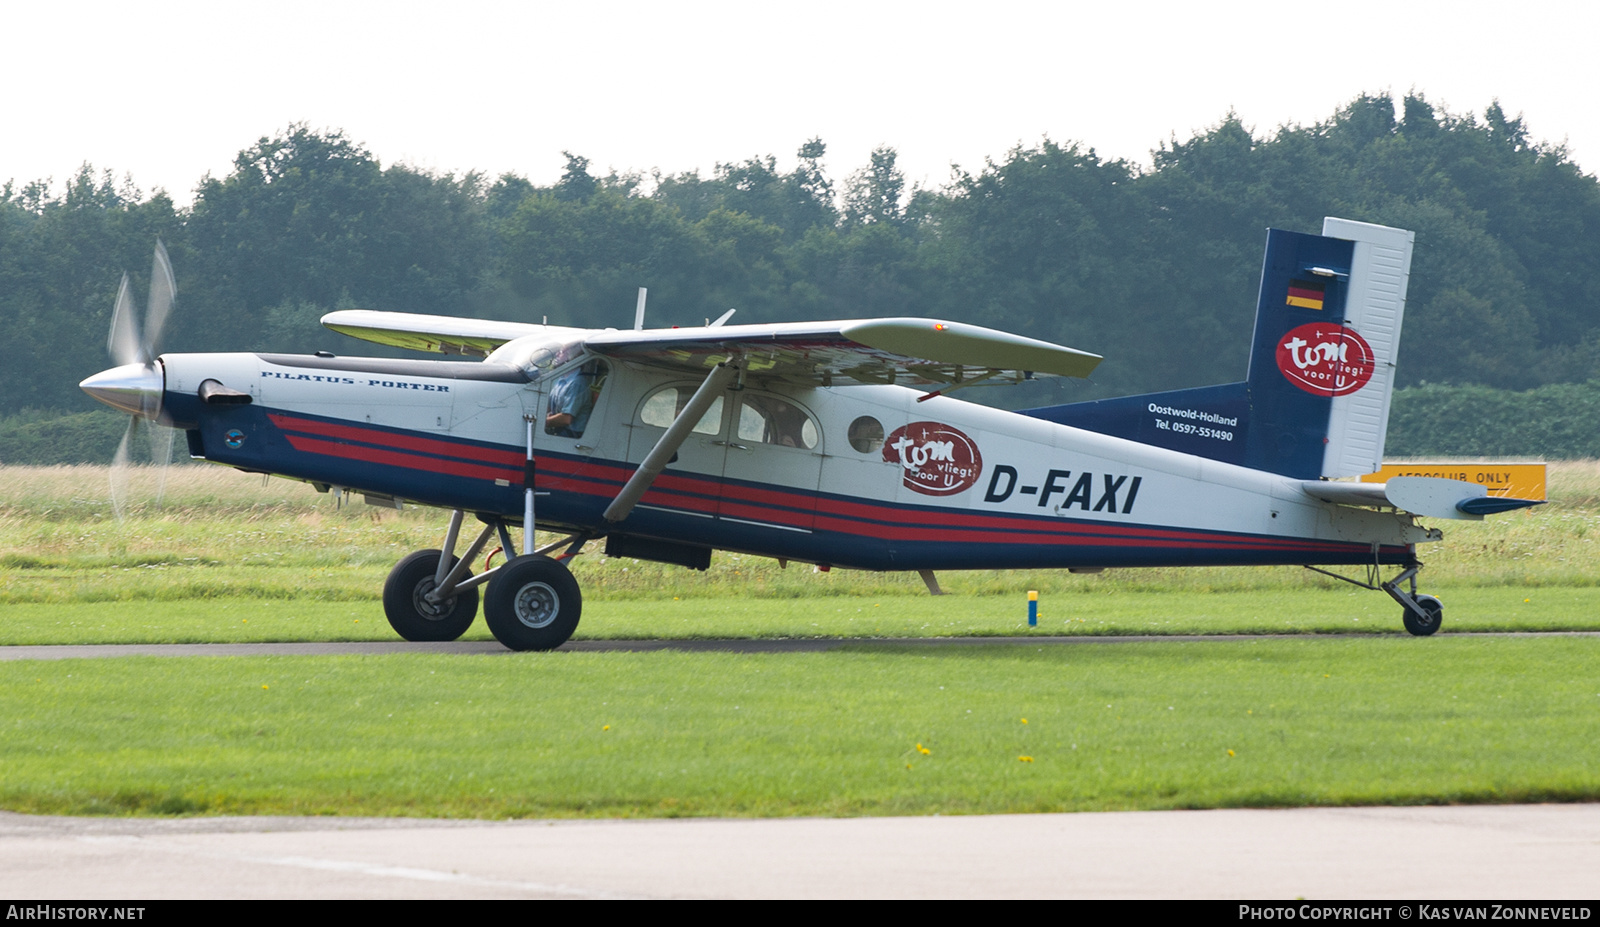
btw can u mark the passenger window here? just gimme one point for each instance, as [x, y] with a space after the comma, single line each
[663, 406]
[866, 434]
[775, 420]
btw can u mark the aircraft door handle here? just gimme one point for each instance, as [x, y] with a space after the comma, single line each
[742, 447]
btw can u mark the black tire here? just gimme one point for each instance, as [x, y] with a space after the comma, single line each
[1423, 627]
[411, 615]
[533, 603]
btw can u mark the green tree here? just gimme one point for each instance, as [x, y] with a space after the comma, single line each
[576, 183]
[793, 202]
[311, 218]
[580, 262]
[876, 193]
[61, 259]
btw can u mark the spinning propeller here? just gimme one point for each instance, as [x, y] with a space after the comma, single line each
[135, 385]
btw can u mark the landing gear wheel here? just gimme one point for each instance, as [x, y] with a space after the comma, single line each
[1420, 626]
[533, 603]
[411, 615]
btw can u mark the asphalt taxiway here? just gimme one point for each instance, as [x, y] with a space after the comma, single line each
[1460, 852]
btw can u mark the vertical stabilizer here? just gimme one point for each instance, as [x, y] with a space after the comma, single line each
[1315, 402]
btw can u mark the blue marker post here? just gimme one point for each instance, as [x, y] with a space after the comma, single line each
[1033, 608]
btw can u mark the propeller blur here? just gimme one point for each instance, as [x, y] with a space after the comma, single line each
[136, 385]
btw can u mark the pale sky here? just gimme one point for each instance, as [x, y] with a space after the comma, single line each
[172, 90]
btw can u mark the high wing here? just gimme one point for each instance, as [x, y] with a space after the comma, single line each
[441, 334]
[904, 351]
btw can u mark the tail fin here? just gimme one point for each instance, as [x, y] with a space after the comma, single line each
[1315, 402]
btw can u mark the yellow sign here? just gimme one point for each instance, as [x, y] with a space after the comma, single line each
[1517, 480]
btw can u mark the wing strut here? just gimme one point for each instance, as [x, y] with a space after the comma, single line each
[529, 526]
[656, 461]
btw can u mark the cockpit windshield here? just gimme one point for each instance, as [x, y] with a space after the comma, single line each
[537, 355]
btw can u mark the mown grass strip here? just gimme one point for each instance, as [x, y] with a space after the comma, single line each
[1293, 611]
[879, 730]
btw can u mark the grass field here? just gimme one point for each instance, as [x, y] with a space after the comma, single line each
[222, 618]
[876, 729]
[279, 555]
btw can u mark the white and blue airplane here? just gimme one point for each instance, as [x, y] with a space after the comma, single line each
[830, 443]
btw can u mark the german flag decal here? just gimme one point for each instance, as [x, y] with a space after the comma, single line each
[1307, 294]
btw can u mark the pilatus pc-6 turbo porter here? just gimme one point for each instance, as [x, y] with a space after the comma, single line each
[829, 443]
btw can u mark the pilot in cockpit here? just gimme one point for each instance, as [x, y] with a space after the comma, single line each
[571, 401]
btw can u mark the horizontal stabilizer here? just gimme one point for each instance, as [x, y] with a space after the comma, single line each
[1427, 496]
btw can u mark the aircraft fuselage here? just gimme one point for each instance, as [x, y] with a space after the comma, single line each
[857, 476]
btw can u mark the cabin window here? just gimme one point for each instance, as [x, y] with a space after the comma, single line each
[775, 420]
[572, 399]
[662, 407]
[866, 434]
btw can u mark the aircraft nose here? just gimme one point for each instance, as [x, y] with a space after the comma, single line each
[133, 388]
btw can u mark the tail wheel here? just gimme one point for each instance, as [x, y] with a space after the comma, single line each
[410, 613]
[533, 603]
[1428, 622]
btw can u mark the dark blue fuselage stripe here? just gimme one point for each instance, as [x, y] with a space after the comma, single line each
[1082, 547]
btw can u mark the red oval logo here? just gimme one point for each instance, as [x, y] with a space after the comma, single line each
[934, 459]
[1326, 359]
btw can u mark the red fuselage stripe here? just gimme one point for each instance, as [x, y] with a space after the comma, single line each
[453, 449]
[777, 506]
[399, 459]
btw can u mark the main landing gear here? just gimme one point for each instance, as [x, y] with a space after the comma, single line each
[532, 601]
[411, 612]
[1421, 615]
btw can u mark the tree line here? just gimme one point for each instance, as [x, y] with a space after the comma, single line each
[1155, 267]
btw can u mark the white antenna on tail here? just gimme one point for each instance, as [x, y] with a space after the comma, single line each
[638, 312]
